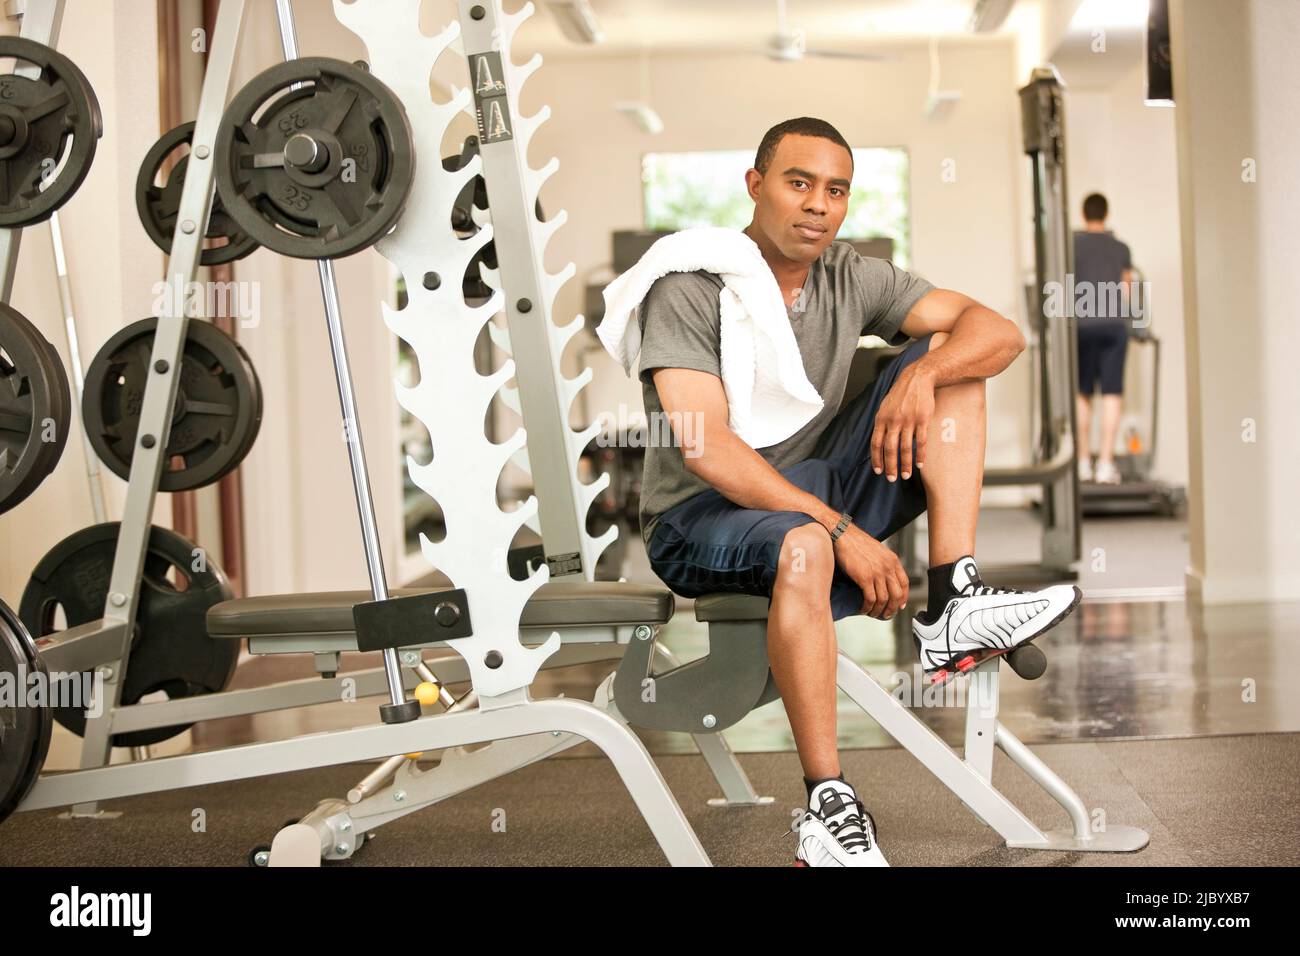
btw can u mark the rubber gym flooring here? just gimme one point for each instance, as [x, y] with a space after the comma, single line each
[1216, 801]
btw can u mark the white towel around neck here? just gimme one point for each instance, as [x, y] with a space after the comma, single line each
[768, 393]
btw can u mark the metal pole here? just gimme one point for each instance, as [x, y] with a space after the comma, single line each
[78, 376]
[351, 420]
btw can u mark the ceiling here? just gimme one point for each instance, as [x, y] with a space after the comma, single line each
[857, 25]
[1105, 40]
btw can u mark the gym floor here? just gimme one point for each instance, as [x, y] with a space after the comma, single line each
[1168, 715]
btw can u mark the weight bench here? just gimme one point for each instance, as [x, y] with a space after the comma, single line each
[597, 621]
[321, 622]
[601, 621]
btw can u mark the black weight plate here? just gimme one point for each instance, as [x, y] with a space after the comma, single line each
[33, 391]
[61, 406]
[24, 730]
[216, 417]
[171, 651]
[159, 205]
[38, 387]
[251, 374]
[43, 721]
[340, 113]
[39, 168]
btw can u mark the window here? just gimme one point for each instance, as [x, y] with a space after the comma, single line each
[707, 188]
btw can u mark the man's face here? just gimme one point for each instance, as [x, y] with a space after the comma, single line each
[801, 201]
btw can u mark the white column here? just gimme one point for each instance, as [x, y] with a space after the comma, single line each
[1235, 80]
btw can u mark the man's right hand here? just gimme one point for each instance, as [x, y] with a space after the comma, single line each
[874, 568]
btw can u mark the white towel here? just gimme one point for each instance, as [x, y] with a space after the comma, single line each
[768, 393]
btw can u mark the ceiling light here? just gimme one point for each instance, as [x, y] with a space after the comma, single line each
[1109, 14]
[939, 106]
[642, 114]
[989, 15]
[577, 20]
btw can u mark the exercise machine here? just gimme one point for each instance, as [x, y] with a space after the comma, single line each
[1138, 491]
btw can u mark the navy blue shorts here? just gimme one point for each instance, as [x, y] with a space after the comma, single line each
[709, 544]
[1102, 346]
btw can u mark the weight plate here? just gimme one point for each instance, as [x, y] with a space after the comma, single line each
[171, 651]
[49, 126]
[317, 172]
[216, 417]
[34, 396]
[159, 204]
[25, 730]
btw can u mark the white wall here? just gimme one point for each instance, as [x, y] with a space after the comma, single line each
[1234, 82]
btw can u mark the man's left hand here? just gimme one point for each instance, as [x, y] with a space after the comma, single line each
[903, 417]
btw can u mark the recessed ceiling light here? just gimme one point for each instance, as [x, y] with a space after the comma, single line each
[1109, 14]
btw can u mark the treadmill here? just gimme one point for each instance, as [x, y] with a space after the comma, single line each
[1137, 492]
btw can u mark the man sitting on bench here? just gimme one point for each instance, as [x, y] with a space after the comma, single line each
[804, 520]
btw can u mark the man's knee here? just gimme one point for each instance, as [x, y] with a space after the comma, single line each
[971, 395]
[807, 557]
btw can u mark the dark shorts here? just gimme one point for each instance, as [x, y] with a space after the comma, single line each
[1102, 346]
[709, 544]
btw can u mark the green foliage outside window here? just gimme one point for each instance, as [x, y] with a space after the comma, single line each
[682, 190]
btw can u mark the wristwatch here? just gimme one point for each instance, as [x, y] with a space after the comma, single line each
[846, 519]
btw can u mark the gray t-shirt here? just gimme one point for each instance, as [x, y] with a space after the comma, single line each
[1098, 258]
[845, 297]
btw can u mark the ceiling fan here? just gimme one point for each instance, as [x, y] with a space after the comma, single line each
[789, 45]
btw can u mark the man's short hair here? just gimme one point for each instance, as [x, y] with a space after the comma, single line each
[801, 126]
[1095, 208]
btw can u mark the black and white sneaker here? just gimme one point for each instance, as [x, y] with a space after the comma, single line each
[982, 622]
[836, 830]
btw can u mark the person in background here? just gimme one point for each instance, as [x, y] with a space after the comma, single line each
[1100, 262]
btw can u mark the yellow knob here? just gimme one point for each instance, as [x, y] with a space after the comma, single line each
[426, 693]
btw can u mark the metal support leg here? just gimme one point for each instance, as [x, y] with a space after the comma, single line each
[924, 744]
[737, 791]
[1104, 838]
[971, 779]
